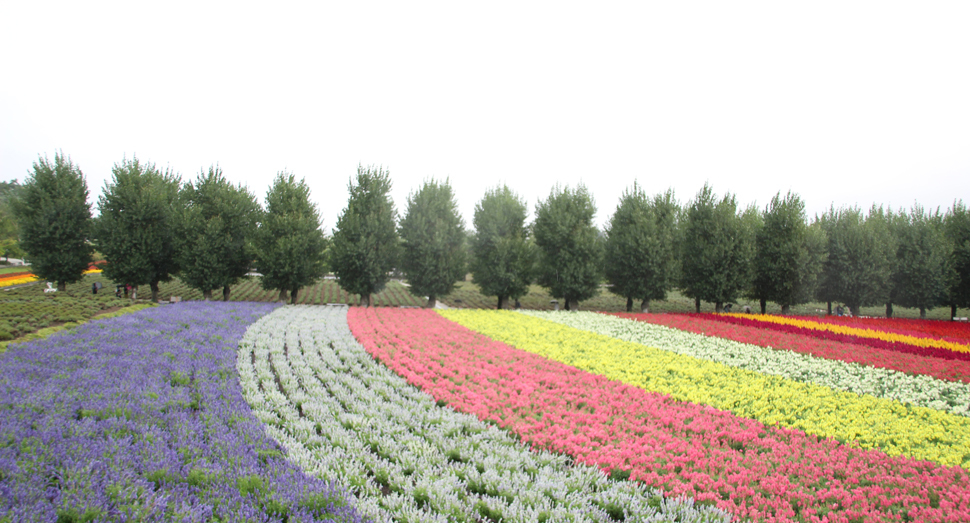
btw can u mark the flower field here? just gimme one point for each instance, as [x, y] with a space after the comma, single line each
[340, 414]
[550, 384]
[212, 411]
[141, 418]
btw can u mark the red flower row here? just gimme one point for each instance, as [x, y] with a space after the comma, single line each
[752, 470]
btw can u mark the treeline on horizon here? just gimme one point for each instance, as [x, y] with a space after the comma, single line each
[153, 226]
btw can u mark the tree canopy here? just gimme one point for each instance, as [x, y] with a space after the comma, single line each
[136, 228]
[9, 245]
[216, 229]
[570, 251]
[433, 240]
[957, 232]
[716, 250]
[366, 246]
[921, 260]
[639, 248]
[54, 220]
[502, 254]
[857, 271]
[788, 255]
[290, 245]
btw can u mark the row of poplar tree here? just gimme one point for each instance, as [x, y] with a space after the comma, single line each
[211, 233]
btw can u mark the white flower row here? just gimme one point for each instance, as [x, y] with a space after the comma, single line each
[918, 390]
[340, 415]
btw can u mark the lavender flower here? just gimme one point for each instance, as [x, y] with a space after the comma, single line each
[141, 418]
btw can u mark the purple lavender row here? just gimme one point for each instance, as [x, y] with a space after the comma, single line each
[142, 418]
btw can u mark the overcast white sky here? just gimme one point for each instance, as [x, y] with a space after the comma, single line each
[842, 102]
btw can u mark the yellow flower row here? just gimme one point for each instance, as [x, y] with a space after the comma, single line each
[856, 331]
[863, 421]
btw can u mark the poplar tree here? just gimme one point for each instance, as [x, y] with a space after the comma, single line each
[433, 241]
[957, 232]
[857, 271]
[8, 224]
[922, 260]
[639, 247]
[502, 254]
[366, 246]
[54, 220]
[570, 252]
[716, 250]
[290, 245]
[136, 226]
[788, 254]
[216, 228]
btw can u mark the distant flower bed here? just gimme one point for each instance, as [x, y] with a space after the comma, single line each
[710, 325]
[16, 278]
[942, 329]
[921, 345]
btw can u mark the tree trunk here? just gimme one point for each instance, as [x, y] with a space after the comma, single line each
[207, 294]
[922, 313]
[154, 287]
[645, 306]
[62, 286]
[573, 305]
[432, 300]
[503, 302]
[365, 300]
[830, 308]
[294, 294]
[565, 304]
[697, 305]
[718, 306]
[889, 309]
[785, 310]
[953, 312]
[854, 309]
[629, 304]
[225, 293]
[283, 295]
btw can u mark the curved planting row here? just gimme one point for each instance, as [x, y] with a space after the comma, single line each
[747, 468]
[865, 420]
[921, 345]
[916, 390]
[141, 418]
[341, 414]
[953, 370]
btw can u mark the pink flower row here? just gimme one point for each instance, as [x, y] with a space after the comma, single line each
[953, 370]
[752, 470]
